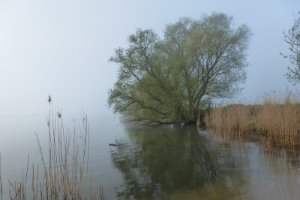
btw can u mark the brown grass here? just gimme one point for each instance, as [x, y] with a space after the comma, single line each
[273, 119]
[62, 173]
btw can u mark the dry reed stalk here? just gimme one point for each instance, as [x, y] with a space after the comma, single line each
[63, 174]
[230, 120]
[280, 120]
[272, 119]
[1, 186]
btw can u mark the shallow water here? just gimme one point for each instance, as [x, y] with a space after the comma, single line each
[162, 162]
[170, 163]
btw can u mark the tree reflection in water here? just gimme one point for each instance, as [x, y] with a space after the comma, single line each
[157, 162]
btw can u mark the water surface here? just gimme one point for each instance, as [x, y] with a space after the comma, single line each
[172, 163]
[162, 162]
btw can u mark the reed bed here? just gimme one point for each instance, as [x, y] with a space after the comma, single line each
[62, 173]
[276, 120]
[231, 121]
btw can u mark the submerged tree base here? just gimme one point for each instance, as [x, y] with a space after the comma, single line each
[180, 124]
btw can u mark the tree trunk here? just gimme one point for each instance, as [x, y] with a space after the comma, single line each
[198, 118]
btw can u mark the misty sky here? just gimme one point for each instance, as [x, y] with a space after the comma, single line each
[62, 47]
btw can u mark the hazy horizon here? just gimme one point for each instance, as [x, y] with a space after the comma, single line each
[63, 48]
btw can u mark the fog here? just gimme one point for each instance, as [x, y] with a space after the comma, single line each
[63, 48]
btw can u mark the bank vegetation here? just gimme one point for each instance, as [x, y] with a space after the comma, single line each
[274, 119]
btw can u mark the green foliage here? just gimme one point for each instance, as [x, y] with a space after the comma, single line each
[292, 38]
[170, 79]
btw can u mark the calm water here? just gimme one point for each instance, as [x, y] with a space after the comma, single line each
[161, 163]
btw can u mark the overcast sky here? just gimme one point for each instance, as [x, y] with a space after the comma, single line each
[62, 47]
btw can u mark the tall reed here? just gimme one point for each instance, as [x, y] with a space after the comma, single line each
[62, 173]
[1, 186]
[274, 119]
[230, 120]
[280, 121]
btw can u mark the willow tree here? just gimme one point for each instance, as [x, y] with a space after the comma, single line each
[169, 79]
[292, 38]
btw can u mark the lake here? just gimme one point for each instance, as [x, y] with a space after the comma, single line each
[161, 162]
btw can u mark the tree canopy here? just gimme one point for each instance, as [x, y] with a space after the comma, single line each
[292, 38]
[169, 79]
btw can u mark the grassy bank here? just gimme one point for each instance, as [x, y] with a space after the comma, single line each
[276, 120]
